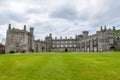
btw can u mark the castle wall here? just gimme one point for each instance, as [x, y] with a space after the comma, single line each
[62, 45]
[101, 41]
[22, 40]
[39, 46]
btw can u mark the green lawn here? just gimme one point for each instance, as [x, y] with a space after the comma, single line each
[60, 66]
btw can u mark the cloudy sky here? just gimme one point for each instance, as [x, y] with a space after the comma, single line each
[59, 17]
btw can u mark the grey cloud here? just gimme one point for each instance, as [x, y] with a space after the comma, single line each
[34, 11]
[114, 9]
[64, 12]
[43, 29]
[18, 17]
[3, 2]
[104, 16]
[110, 15]
[7, 16]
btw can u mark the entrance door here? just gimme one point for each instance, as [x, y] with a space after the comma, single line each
[112, 48]
[66, 50]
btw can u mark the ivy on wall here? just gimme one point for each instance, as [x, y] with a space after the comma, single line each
[118, 32]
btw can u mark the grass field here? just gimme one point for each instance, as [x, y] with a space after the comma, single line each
[60, 66]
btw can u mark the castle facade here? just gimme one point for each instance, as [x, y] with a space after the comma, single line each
[23, 41]
[19, 40]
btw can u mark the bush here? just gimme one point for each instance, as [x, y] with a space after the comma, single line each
[12, 52]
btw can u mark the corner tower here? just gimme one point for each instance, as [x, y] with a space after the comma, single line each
[31, 39]
[19, 40]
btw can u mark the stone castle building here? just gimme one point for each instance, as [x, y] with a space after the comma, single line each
[23, 41]
[19, 40]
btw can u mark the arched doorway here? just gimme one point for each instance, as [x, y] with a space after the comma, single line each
[112, 48]
[42, 49]
[66, 50]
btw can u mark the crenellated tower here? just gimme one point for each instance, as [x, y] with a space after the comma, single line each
[19, 40]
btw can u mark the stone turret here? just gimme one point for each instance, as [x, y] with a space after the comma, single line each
[50, 35]
[24, 27]
[76, 36]
[48, 41]
[55, 38]
[9, 27]
[105, 28]
[85, 34]
[65, 37]
[70, 37]
[101, 29]
[60, 37]
[114, 28]
[31, 36]
[31, 30]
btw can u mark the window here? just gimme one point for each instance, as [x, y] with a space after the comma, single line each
[66, 45]
[53, 45]
[74, 45]
[57, 45]
[111, 41]
[70, 45]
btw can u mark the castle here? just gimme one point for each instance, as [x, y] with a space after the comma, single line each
[19, 40]
[23, 41]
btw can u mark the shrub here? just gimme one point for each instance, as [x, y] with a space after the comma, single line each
[12, 52]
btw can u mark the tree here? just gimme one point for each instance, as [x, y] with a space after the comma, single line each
[118, 32]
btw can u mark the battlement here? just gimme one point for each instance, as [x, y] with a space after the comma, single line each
[12, 29]
[63, 38]
[105, 28]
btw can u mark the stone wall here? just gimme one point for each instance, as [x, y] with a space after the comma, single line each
[22, 40]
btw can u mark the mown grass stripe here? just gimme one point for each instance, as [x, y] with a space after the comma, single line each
[60, 66]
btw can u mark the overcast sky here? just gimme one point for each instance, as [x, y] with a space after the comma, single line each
[59, 17]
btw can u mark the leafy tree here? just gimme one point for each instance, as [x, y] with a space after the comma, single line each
[118, 32]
